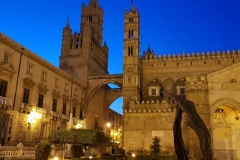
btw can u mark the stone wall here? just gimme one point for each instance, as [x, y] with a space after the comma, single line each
[142, 122]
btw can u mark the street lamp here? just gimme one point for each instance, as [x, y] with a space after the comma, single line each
[108, 124]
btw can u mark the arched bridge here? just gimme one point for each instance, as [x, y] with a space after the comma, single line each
[96, 82]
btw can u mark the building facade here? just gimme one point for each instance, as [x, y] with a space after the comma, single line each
[210, 80]
[38, 98]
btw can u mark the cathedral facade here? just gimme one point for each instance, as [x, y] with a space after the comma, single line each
[210, 80]
[37, 98]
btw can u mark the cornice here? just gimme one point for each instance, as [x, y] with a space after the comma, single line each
[225, 69]
[19, 48]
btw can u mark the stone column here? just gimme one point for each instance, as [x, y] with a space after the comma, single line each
[197, 91]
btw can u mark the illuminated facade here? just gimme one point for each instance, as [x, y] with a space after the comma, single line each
[37, 98]
[210, 80]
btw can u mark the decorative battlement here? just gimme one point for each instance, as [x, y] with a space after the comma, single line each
[203, 58]
[150, 107]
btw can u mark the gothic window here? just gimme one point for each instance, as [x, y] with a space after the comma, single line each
[7, 57]
[64, 108]
[54, 105]
[3, 88]
[89, 18]
[77, 43]
[130, 34]
[130, 19]
[74, 112]
[26, 94]
[81, 114]
[40, 100]
[130, 50]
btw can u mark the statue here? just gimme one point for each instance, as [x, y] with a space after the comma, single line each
[195, 122]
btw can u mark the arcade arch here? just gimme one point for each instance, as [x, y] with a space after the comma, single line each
[226, 128]
[99, 98]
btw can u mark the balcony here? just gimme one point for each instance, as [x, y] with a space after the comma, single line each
[5, 103]
[55, 115]
[65, 118]
[26, 108]
[41, 110]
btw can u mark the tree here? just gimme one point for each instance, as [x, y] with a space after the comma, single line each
[155, 147]
[42, 151]
[79, 136]
[62, 137]
[101, 140]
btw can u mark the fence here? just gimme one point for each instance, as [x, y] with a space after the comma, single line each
[19, 151]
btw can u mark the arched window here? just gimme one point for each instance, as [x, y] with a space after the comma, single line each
[130, 50]
[130, 34]
[89, 18]
[77, 43]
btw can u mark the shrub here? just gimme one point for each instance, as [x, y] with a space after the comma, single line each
[155, 147]
[42, 151]
[77, 150]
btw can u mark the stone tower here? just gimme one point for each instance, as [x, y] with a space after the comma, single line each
[131, 70]
[82, 53]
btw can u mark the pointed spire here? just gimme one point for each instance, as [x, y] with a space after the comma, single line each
[149, 49]
[132, 8]
[105, 44]
[67, 25]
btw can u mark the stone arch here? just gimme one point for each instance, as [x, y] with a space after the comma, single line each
[227, 102]
[168, 85]
[100, 85]
[225, 127]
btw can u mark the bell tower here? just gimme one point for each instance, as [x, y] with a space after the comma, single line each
[92, 15]
[131, 70]
[82, 53]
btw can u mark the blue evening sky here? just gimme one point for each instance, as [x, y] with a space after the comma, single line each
[168, 26]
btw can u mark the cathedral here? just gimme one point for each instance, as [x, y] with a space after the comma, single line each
[37, 98]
